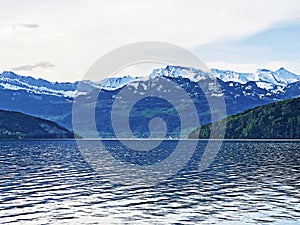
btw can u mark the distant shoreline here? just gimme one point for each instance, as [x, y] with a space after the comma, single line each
[152, 139]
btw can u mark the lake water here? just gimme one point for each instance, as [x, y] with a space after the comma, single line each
[49, 182]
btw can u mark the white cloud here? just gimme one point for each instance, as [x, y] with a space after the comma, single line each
[73, 34]
[43, 64]
[25, 25]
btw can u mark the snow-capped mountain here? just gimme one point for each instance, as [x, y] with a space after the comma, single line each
[273, 81]
[265, 79]
[12, 81]
[53, 100]
[114, 83]
[192, 74]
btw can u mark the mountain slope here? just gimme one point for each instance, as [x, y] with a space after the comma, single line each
[276, 120]
[14, 125]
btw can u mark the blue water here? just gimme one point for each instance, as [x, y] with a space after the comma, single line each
[50, 182]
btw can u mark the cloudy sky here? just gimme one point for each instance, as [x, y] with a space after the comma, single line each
[59, 40]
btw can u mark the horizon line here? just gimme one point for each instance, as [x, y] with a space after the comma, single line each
[151, 139]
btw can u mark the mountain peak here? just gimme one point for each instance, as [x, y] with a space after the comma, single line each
[8, 74]
[283, 70]
[113, 83]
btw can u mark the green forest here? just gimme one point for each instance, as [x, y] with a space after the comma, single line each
[15, 125]
[278, 120]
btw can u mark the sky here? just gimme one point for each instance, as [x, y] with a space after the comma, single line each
[59, 40]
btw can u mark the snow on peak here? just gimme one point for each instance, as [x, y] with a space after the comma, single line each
[169, 71]
[228, 75]
[8, 75]
[280, 77]
[265, 79]
[286, 76]
[114, 83]
[282, 69]
[192, 74]
[11, 81]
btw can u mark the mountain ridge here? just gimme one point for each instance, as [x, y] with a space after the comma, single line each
[266, 79]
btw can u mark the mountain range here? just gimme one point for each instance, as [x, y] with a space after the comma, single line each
[240, 91]
[265, 79]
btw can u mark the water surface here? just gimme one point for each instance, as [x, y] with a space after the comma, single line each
[49, 182]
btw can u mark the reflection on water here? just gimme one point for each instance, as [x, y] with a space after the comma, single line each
[48, 182]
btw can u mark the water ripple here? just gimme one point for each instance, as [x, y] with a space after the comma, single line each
[48, 182]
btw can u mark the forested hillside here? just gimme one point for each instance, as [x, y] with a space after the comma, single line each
[276, 120]
[15, 125]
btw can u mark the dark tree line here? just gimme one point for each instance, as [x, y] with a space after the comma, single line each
[276, 120]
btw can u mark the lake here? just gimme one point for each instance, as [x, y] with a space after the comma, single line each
[50, 182]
